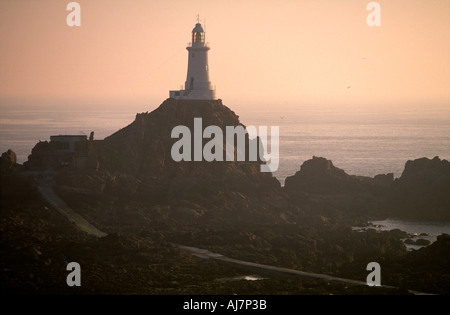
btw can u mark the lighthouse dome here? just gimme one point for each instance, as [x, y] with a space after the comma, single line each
[198, 28]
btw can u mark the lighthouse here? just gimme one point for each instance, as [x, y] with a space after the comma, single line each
[197, 85]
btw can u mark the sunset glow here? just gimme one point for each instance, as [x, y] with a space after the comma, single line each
[284, 53]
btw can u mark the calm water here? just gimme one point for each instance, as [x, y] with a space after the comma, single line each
[362, 142]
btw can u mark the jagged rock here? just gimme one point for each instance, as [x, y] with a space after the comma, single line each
[319, 175]
[422, 242]
[397, 233]
[409, 241]
[36, 159]
[434, 255]
[137, 176]
[10, 155]
[384, 179]
[143, 149]
[423, 190]
[8, 160]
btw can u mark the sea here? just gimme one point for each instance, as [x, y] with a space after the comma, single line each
[362, 141]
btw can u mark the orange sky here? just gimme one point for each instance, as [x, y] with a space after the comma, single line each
[283, 53]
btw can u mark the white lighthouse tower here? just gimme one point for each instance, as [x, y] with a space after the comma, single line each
[197, 85]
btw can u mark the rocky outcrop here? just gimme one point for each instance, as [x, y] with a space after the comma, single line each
[38, 159]
[385, 180]
[320, 176]
[419, 242]
[425, 269]
[138, 177]
[143, 149]
[331, 192]
[423, 190]
[8, 161]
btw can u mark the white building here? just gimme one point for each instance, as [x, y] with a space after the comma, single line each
[197, 85]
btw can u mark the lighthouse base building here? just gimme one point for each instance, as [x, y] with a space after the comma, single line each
[193, 94]
[197, 85]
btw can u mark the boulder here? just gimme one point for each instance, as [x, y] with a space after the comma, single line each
[422, 191]
[8, 160]
[319, 175]
[409, 241]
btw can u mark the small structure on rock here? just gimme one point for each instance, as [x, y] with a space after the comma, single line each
[74, 151]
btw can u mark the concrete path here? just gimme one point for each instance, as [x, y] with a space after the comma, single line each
[56, 202]
[203, 253]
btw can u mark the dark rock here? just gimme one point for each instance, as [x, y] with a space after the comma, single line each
[422, 191]
[444, 240]
[434, 256]
[8, 160]
[336, 194]
[143, 149]
[397, 233]
[319, 175]
[38, 158]
[422, 242]
[10, 155]
[409, 241]
[139, 182]
[419, 242]
[384, 179]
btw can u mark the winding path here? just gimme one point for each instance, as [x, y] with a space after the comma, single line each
[47, 192]
[203, 253]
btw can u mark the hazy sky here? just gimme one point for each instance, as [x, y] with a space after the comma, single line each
[283, 53]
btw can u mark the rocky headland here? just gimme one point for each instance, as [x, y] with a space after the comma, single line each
[146, 202]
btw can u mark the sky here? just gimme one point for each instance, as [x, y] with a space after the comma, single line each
[284, 53]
